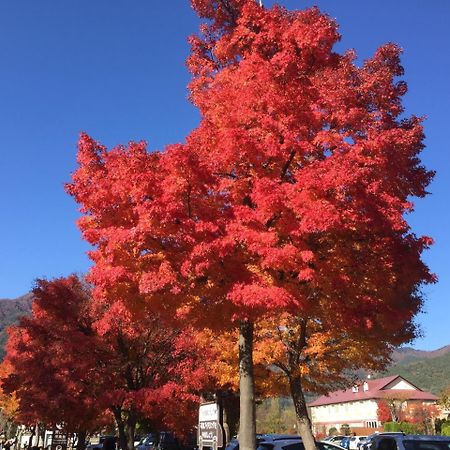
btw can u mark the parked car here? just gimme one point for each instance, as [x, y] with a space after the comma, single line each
[400, 441]
[366, 444]
[233, 444]
[138, 440]
[106, 442]
[270, 437]
[282, 442]
[337, 439]
[148, 442]
[355, 440]
[162, 441]
[294, 444]
[324, 445]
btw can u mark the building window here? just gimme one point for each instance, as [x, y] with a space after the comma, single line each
[372, 424]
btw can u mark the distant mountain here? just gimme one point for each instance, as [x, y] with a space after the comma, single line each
[429, 370]
[406, 355]
[10, 313]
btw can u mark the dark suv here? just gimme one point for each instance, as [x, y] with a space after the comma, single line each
[294, 444]
[409, 442]
[366, 443]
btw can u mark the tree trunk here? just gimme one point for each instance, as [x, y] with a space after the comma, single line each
[30, 441]
[130, 429]
[123, 441]
[81, 440]
[247, 419]
[303, 422]
[18, 438]
[126, 429]
[41, 436]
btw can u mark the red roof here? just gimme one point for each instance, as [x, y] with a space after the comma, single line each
[376, 390]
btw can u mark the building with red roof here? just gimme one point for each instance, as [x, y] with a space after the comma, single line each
[358, 406]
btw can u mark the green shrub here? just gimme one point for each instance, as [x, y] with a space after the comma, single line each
[445, 429]
[391, 426]
[332, 431]
[408, 428]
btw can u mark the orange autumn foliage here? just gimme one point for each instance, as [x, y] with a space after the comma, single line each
[9, 404]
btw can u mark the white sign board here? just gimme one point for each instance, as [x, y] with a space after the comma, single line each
[210, 432]
[208, 412]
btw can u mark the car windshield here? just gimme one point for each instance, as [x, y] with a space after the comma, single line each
[327, 446]
[426, 445]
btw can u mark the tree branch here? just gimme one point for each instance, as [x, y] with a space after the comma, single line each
[287, 164]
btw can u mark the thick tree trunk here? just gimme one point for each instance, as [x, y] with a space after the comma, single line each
[303, 422]
[130, 430]
[247, 419]
[126, 428]
[123, 441]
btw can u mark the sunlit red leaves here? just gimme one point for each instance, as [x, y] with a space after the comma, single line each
[383, 412]
[420, 413]
[51, 357]
[297, 180]
[74, 360]
[289, 197]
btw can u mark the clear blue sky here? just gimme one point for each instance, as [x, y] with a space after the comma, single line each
[115, 69]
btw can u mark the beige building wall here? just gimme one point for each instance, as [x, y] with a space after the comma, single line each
[361, 414]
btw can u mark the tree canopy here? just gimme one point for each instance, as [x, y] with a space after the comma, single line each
[290, 197]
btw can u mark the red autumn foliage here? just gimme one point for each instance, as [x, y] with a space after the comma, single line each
[291, 195]
[422, 415]
[52, 360]
[383, 411]
[66, 370]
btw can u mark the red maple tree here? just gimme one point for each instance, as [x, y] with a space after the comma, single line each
[52, 359]
[383, 411]
[290, 196]
[67, 370]
[422, 415]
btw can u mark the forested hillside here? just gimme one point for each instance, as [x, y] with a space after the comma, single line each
[428, 370]
[10, 312]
